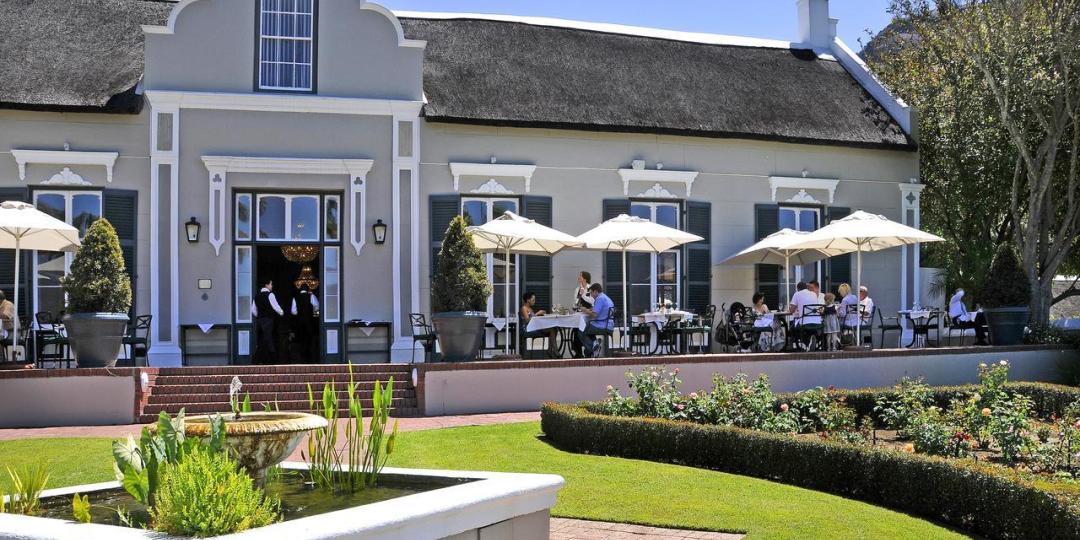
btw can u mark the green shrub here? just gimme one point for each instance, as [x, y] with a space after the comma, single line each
[985, 499]
[208, 495]
[97, 282]
[1006, 283]
[912, 397]
[460, 282]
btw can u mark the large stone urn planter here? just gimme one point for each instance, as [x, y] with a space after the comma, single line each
[461, 333]
[1006, 324]
[96, 338]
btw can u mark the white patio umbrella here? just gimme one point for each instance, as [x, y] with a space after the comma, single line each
[24, 227]
[513, 234]
[777, 248]
[630, 233]
[863, 231]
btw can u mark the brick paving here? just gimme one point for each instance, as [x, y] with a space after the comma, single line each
[579, 529]
[404, 424]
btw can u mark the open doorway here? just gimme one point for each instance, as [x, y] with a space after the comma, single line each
[292, 267]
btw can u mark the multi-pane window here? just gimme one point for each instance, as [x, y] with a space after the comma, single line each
[288, 217]
[77, 208]
[286, 44]
[800, 219]
[479, 211]
[654, 277]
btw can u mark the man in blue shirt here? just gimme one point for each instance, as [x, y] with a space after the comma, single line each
[600, 320]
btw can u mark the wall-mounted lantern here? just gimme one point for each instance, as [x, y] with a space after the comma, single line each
[379, 229]
[193, 227]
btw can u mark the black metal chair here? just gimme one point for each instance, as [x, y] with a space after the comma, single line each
[424, 333]
[498, 344]
[606, 336]
[640, 336]
[811, 335]
[667, 338]
[887, 324]
[50, 334]
[954, 325]
[699, 331]
[137, 340]
[865, 329]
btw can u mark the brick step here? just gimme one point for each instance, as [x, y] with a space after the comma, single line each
[223, 406]
[397, 412]
[265, 397]
[314, 378]
[262, 388]
[287, 369]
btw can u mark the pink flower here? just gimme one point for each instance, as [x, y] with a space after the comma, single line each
[680, 406]
[676, 371]
[1077, 424]
[655, 374]
[693, 395]
[610, 388]
[784, 407]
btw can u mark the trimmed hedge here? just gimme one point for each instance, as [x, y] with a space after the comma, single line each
[982, 498]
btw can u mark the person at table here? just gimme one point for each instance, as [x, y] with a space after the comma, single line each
[582, 299]
[959, 312]
[799, 287]
[832, 322]
[807, 296]
[266, 311]
[7, 316]
[528, 300]
[849, 305]
[305, 324]
[600, 321]
[866, 304]
[759, 306]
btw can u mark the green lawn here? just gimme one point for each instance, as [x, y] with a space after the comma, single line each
[603, 488]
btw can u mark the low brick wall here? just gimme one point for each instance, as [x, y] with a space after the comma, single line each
[73, 397]
[510, 386]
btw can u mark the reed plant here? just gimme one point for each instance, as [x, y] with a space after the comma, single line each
[27, 486]
[356, 464]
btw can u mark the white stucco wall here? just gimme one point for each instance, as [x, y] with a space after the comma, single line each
[66, 401]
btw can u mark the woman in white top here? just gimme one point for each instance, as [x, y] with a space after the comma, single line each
[582, 298]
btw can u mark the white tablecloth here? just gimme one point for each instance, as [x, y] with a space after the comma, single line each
[660, 317]
[544, 322]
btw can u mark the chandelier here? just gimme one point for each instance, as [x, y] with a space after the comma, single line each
[300, 253]
[307, 277]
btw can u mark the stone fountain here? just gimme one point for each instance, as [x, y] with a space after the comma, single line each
[257, 440]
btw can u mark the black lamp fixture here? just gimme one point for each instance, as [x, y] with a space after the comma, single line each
[379, 230]
[193, 227]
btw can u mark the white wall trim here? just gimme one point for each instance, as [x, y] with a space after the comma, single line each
[493, 187]
[268, 102]
[288, 165]
[164, 353]
[458, 169]
[64, 157]
[800, 183]
[218, 194]
[656, 192]
[66, 177]
[910, 197]
[657, 175]
[358, 211]
[858, 69]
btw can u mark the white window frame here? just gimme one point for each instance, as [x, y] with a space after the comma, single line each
[799, 274]
[311, 39]
[489, 259]
[654, 285]
[288, 216]
[69, 196]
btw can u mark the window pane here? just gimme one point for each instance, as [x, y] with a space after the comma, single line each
[667, 267]
[52, 204]
[667, 293]
[641, 301]
[331, 220]
[643, 211]
[808, 220]
[501, 207]
[243, 217]
[787, 219]
[331, 288]
[305, 218]
[85, 210]
[475, 212]
[639, 267]
[668, 216]
[498, 268]
[243, 284]
[272, 217]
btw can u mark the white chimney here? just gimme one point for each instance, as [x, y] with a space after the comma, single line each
[816, 28]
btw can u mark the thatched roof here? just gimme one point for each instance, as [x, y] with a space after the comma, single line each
[88, 55]
[511, 73]
[80, 55]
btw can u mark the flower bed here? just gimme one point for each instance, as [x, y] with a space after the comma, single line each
[1005, 444]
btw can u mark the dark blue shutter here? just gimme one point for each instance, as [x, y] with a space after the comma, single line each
[443, 210]
[613, 275]
[7, 260]
[767, 276]
[840, 266]
[536, 269]
[120, 207]
[697, 291]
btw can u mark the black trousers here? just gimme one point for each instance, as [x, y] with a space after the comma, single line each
[980, 327]
[266, 347]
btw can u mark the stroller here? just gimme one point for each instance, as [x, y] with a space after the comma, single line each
[733, 332]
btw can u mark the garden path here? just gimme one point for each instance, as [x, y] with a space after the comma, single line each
[579, 529]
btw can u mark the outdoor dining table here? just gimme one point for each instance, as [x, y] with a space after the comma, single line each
[656, 320]
[565, 323]
[918, 319]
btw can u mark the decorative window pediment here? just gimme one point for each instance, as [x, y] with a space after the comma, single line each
[64, 157]
[656, 177]
[492, 170]
[802, 184]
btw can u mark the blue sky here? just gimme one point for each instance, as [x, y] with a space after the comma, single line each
[755, 18]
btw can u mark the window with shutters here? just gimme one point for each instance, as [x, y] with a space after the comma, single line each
[77, 208]
[654, 277]
[287, 45]
[478, 211]
[801, 218]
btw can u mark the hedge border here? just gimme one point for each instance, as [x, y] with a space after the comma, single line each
[979, 498]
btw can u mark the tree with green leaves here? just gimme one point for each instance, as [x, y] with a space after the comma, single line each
[97, 282]
[460, 282]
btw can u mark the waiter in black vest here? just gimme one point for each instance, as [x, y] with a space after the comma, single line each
[266, 310]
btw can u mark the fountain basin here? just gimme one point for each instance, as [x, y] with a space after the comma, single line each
[258, 440]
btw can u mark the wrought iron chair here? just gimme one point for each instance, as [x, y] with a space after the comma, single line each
[887, 324]
[640, 336]
[811, 335]
[697, 334]
[50, 334]
[424, 333]
[866, 328]
[137, 340]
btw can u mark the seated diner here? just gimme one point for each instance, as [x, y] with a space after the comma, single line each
[600, 320]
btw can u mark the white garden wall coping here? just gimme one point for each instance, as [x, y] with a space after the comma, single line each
[491, 498]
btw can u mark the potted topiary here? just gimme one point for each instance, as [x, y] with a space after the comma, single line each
[459, 293]
[1005, 298]
[98, 298]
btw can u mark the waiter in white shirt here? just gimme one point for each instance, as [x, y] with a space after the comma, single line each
[266, 310]
[958, 312]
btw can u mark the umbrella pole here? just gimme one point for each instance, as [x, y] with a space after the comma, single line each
[506, 299]
[858, 306]
[787, 280]
[15, 313]
[625, 314]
